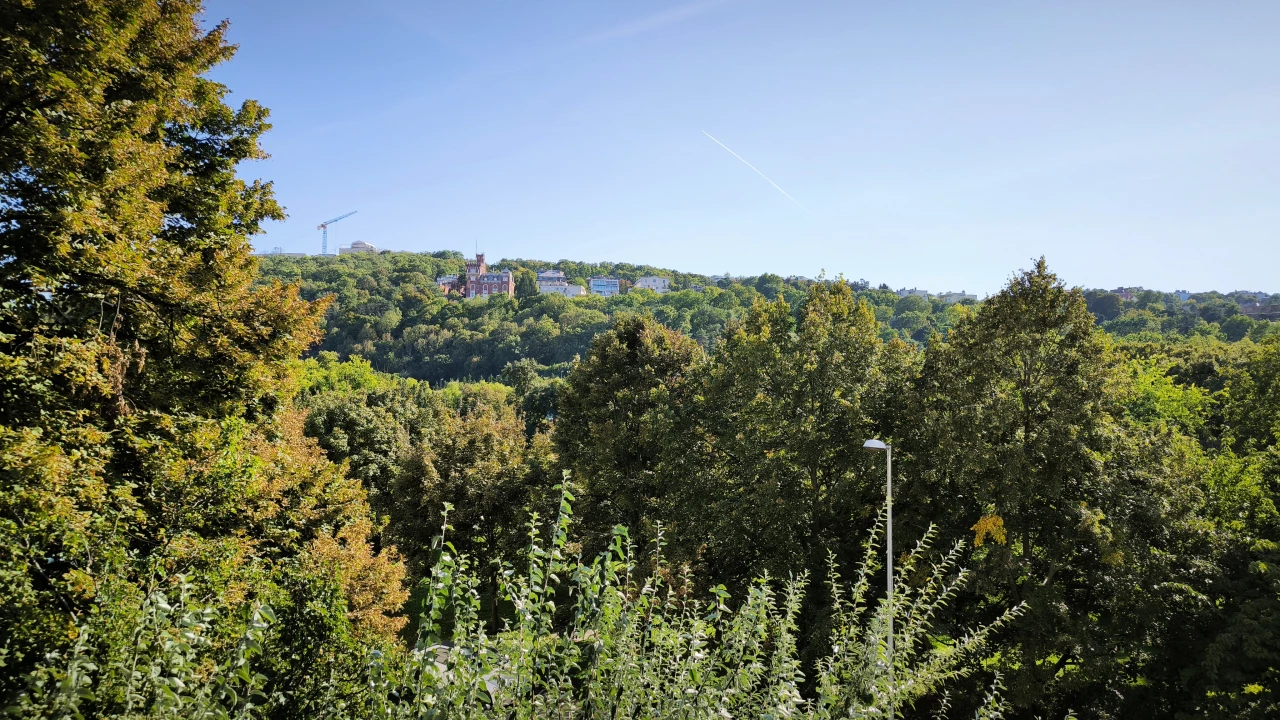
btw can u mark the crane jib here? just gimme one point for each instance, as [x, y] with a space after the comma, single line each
[324, 226]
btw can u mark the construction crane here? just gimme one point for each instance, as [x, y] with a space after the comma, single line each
[324, 242]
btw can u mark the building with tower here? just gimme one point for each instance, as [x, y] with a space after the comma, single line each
[481, 283]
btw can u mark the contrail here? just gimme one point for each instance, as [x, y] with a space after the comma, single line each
[753, 167]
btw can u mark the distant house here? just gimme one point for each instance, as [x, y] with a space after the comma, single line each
[1124, 294]
[358, 246]
[448, 284]
[1183, 295]
[657, 284]
[913, 291]
[553, 281]
[494, 283]
[955, 297]
[1259, 311]
[481, 283]
[568, 290]
[603, 286]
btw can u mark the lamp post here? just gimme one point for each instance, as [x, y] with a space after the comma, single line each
[874, 446]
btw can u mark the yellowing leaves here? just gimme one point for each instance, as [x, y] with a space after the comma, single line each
[373, 583]
[988, 526]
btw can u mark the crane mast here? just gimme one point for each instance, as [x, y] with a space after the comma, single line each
[324, 238]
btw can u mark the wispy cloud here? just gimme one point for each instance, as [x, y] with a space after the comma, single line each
[753, 167]
[677, 14]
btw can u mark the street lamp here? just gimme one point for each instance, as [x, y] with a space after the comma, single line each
[874, 446]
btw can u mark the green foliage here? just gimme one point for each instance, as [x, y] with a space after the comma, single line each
[480, 462]
[1016, 425]
[783, 408]
[196, 523]
[1152, 396]
[912, 303]
[144, 422]
[1133, 322]
[1084, 468]
[615, 424]
[526, 283]
[386, 311]
[169, 667]
[1253, 398]
[605, 639]
[1153, 313]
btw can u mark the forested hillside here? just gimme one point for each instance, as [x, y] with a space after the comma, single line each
[318, 488]
[387, 310]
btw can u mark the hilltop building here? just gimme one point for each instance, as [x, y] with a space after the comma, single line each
[913, 291]
[1260, 311]
[448, 284]
[356, 247]
[604, 286]
[481, 283]
[657, 284]
[550, 276]
[955, 297]
[475, 268]
[553, 281]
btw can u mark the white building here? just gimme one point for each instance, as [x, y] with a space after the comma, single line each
[553, 281]
[913, 291]
[448, 283]
[358, 246]
[955, 297]
[549, 278]
[657, 284]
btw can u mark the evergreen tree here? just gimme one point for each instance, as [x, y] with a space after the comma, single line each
[142, 432]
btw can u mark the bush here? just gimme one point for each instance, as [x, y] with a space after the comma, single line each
[582, 640]
[603, 640]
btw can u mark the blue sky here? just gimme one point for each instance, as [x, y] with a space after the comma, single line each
[932, 144]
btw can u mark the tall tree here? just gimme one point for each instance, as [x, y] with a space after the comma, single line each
[139, 367]
[616, 420]
[1016, 443]
[526, 283]
[787, 402]
[1252, 397]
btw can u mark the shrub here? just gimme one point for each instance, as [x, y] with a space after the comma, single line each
[603, 640]
[582, 640]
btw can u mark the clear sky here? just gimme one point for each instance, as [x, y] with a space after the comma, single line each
[933, 144]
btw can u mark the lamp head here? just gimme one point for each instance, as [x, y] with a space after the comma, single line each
[874, 445]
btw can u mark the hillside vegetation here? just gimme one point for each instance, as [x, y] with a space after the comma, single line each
[387, 310]
[317, 488]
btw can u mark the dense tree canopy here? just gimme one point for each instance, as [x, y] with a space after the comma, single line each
[144, 430]
[226, 484]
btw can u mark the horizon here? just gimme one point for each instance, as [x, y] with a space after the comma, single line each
[518, 261]
[929, 146]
